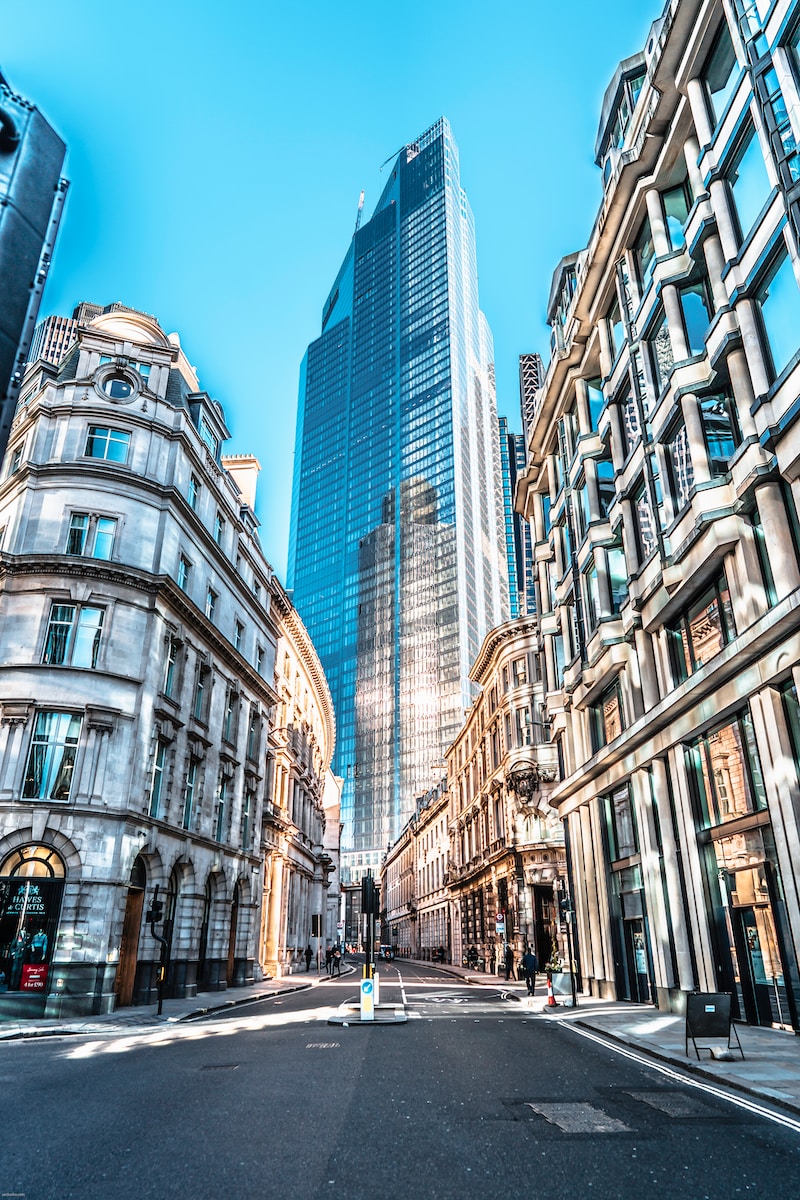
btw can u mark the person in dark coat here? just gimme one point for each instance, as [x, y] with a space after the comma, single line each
[309, 956]
[509, 962]
[530, 965]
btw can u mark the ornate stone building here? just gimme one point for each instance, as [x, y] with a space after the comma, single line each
[663, 490]
[507, 853]
[139, 633]
[300, 869]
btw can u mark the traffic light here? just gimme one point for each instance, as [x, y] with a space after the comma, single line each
[155, 913]
[370, 897]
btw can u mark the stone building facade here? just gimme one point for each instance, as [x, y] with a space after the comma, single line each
[482, 863]
[507, 856]
[662, 488]
[139, 633]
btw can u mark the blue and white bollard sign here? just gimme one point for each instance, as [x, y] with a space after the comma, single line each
[367, 1000]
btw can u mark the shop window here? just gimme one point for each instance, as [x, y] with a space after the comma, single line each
[621, 824]
[189, 794]
[170, 667]
[703, 629]
[778, 302]
[157, 782]
[679, 466]
[581, 509]
[677, 202]
[73, 636]
[617, 577]
[644, 254]
[697, 312]
[748, 181]
[606, 489]
[616, 329]
[229, 719]
[591, 590]
[248, 807]
[110, 444]
[524, 727]
[51, 759]
[720, 74]
[605, 718]
[31, 889]
[630, 424]
[91, 538]
[594, 394]
[662, 357]
[721, 431]
[725, 773]
[184, 573]
[646, 534]
[759, 538]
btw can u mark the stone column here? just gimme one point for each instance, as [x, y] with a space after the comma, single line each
[742, 388]
[777, 538]
[274, 923]
[728, 233]
[697, 102]
[715, 265]
[677, 335]
[751, 341]
[658, 226]
[676, 915]
[647, 669]
[691, 152]
[697, 442]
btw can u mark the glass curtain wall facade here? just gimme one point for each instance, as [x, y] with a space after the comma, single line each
[396, 559]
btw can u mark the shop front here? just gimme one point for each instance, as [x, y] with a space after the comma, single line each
[31, 891]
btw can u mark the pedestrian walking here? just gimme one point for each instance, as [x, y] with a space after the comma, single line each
[530, 965]
[329, 959]
[337, 960]
[309, 956]
[509, 962]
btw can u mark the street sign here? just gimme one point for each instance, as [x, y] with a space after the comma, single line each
[367, 1000]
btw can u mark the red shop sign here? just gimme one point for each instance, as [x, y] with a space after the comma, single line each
[34, 977]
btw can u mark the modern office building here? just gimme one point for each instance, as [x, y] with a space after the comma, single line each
[397, 559]
[54, 335]
[662, 482]
[32, 195]
[519, 545]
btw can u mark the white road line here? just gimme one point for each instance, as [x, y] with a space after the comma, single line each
[739, 1101]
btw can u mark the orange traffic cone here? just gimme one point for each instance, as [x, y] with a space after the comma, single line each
[551, 1000]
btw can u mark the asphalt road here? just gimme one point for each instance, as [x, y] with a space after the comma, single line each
[473, 1097]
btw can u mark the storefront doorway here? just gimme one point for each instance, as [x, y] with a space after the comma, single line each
[131, 931]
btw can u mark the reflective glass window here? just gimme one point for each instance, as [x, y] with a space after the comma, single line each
[779, 303]
[703, 629]
[681, 469]
[645, 255]
[725, 773]
[697, 313]
[720, 73]
[617, 577]
[662, 356]
[721, 430]
[677, 202]
[623, 842]
[597, 400]
[51, 760]
[749, 182]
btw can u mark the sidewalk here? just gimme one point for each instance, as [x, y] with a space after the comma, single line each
[145, 1016]
[770, 1070]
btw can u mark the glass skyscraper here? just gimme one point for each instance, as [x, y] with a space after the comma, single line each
[397, 557]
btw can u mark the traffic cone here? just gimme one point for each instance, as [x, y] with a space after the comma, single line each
[551, 1000]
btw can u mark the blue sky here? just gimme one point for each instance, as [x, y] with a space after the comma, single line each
[216, 154]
